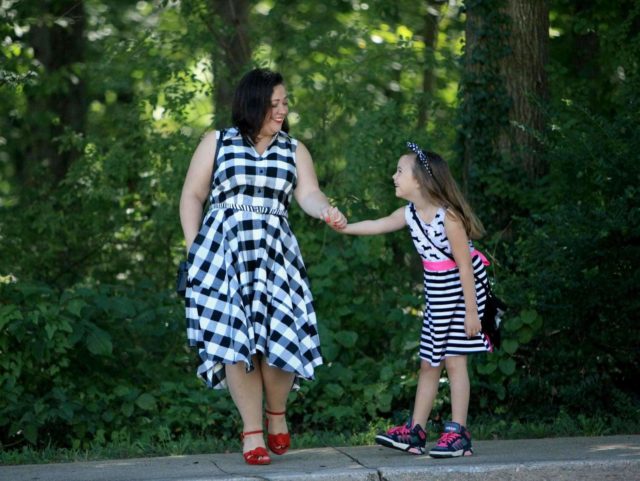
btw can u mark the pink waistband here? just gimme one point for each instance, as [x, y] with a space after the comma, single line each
[450, 263]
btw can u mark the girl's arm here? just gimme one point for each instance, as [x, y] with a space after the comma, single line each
[308, 193]
[196, 187]
[393, 222]
[460, 249]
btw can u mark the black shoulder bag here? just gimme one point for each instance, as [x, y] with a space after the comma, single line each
[183, 267]
[494, 308]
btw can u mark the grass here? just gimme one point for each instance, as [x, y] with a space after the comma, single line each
[184, 445]
[483, 429]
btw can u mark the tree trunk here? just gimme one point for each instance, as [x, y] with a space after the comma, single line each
[59, 102]
[231, 55]
[484, 100]
[526, 82]
[431, 21]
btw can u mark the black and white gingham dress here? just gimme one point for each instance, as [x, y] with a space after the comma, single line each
[248, 290]
[443, 321]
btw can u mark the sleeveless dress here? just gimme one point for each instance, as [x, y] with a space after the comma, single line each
[442, 332]
[247, 289]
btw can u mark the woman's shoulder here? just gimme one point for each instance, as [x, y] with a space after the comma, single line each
[215, 133]
[294, 144]
[287, 138]
[208, 139]
[230, 132]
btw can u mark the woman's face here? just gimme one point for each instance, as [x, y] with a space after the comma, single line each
[276, 115]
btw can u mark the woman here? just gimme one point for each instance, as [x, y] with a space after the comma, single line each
[248, 304]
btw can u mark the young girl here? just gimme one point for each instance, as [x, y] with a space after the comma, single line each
[440, 222]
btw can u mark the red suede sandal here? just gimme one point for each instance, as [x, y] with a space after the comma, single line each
[278, 443]
[258, 455]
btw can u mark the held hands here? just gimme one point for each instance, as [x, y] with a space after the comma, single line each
[472, 325]
[334, 218]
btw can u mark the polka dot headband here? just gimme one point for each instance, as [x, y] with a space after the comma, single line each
[422, 156]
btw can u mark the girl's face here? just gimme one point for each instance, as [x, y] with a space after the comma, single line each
[272, 123]
[406, 184]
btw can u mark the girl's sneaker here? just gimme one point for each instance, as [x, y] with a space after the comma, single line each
[411, 439]
[454, 441]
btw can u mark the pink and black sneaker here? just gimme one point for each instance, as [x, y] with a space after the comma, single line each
[455, 441]
[411, 439]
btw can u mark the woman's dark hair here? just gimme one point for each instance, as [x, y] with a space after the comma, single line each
[252, 101]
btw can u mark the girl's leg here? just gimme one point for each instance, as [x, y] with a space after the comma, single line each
[428, 383]
[246, 391]
[460, 389]
[277, 385]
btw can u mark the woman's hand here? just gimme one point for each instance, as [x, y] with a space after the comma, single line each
[334, 218]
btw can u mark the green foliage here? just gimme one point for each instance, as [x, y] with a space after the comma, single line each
[95, 365]
[92, 343]
[567, 251]
[578, 265]
[592, 51]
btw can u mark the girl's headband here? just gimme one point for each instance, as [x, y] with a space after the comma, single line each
[422, 156]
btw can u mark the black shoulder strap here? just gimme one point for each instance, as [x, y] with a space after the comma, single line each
[205, 207]
[412, 208]
[215, 156]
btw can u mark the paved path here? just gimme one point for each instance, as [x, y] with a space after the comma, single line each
[610, 458]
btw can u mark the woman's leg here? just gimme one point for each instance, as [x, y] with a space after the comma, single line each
[246, 391]
[428, 383]
[277, 385]
[460, 388]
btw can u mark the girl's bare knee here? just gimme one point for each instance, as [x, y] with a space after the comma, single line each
[426, 367]
[456, 364]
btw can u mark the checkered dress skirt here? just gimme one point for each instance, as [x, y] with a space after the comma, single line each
[442, 332]
[248, 290]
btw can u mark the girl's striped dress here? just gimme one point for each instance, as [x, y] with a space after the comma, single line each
[247, 289]
[443, 322]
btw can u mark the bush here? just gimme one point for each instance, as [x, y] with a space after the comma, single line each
[576, 261]
[94, 364]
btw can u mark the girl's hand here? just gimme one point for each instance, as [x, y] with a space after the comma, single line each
[472, 325]
[334, 218]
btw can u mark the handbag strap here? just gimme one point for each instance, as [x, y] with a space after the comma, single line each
[414, 213]
[207, 202]
[215, 155]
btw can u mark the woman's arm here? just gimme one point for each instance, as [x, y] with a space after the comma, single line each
[460, 249]
[196, 187]
[383, 225]
[308, 193]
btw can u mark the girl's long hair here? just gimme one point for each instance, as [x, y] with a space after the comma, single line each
[442, 188]
[252, 101]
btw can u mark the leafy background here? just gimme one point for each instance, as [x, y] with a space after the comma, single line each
[92, 340]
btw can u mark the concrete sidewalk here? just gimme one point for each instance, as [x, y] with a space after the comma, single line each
[610, 458]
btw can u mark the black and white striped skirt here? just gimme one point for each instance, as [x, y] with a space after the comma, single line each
[443, 325]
